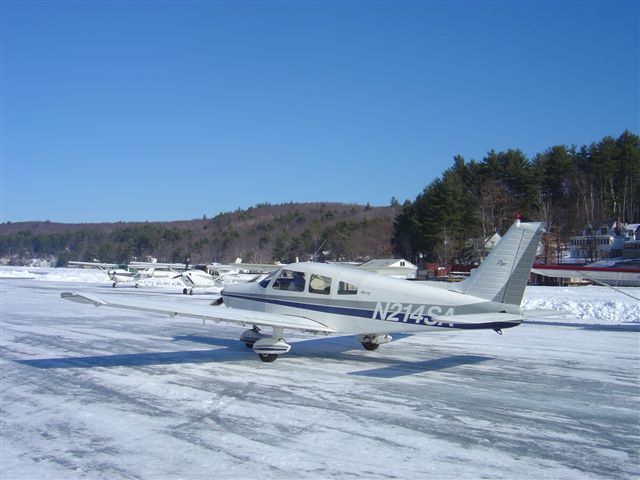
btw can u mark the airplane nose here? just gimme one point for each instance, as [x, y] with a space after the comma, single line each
[217, 302]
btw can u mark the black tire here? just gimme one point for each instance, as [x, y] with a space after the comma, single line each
[114, 285]
[136, 285]
[184, 291]
[370, 346]
[191, 292]
[268, 357]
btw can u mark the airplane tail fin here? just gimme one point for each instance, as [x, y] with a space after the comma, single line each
[503, 275]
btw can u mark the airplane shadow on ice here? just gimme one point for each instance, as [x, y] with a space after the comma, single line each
[229, 354]
[343, 348]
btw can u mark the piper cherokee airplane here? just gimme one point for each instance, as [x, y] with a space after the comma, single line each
[331, 299]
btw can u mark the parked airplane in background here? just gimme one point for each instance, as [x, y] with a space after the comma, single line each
[219, 275]
[117, 272]
[132, 273]
[328, 299]
[198, 278]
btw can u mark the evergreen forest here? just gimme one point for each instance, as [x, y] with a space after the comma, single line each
[566, 187]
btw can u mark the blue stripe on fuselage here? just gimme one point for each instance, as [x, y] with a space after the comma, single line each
[351, 312]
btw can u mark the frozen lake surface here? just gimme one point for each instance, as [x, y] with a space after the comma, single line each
[102, 393]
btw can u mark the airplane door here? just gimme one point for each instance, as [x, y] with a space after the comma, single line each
[287, 293]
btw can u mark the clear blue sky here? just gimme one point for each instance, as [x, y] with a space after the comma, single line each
[166, 110]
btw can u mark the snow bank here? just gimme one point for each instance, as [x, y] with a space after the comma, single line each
[586, 304]
[15, 272]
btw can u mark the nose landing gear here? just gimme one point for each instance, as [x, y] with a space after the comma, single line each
[267, 347]
[372, 341]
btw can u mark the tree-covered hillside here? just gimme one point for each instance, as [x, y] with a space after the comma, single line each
[263, 233]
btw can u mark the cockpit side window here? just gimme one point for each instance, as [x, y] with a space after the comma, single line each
[345, 288]
[290, 280]
[320, 284]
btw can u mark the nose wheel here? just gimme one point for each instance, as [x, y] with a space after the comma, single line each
[268, 348]
[267, 357]
[372, 341]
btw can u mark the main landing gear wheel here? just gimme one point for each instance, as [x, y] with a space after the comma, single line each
[114, 285]
[268, 357]
[184, 291]
[136, 285]
[370, 346]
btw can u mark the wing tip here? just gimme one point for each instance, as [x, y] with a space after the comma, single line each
[82, 298]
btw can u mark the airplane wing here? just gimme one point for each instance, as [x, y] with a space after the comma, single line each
[216, 314]
[159, 265]
[246, 267]
[100, 265]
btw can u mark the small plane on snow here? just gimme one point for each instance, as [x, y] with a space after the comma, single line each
[117, 272]
[218, 275]
[331, 299]
[134, 272]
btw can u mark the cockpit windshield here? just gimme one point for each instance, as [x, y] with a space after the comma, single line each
[264, 283]
[291, 280]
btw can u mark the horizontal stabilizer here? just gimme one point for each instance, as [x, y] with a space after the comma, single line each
[479, 321]
[545, 314]
[477, 318]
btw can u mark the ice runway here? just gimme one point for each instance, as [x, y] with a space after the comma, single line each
[102, 393]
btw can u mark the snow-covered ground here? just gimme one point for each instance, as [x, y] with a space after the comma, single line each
[97, 393]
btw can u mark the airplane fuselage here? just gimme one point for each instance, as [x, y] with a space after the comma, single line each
[353, 301]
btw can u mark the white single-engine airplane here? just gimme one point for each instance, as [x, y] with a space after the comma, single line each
[117, 272]
[218, 275]
[328, 299]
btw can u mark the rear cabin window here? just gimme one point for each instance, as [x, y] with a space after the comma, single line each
[345, 288]
[319, 284]
[290, 280]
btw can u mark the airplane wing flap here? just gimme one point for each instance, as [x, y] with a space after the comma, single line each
[203, 312]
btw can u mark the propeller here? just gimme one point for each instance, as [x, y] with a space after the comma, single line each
[218, 302]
